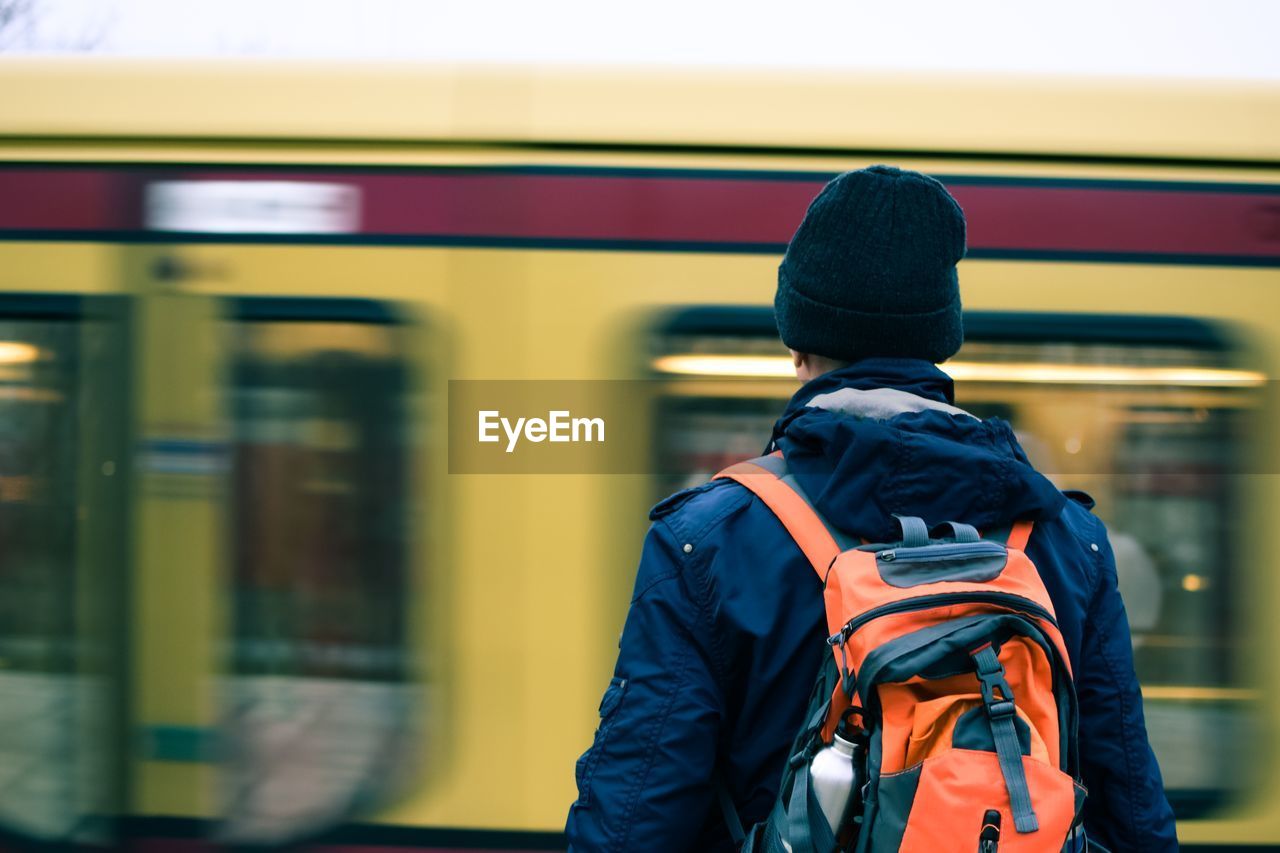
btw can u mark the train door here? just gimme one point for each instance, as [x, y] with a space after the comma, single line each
[319, 700]
[275, 674]
[64, 534]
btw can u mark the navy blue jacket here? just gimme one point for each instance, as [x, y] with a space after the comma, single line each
[725, 632]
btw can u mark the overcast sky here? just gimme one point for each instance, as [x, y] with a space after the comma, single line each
[1179, 38]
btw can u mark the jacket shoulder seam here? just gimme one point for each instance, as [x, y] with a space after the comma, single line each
[1098, 564]
[1087, 541]
[665, 576]
[675, 521]
[699, 580]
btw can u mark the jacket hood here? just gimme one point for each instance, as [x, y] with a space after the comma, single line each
[881, 437]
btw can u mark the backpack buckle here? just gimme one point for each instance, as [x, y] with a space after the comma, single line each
[991, 678]
[989, 683]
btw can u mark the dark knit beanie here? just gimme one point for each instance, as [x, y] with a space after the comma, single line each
[872, 270]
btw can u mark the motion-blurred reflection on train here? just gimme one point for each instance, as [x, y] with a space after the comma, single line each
[53, 669]
[319, 707]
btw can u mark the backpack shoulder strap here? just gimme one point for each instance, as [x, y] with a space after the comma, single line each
[1019, 536]
[768, 478]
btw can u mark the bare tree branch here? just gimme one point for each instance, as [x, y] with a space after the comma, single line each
[17, 23]
[53, 26]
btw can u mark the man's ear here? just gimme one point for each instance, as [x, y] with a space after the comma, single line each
[802, 363]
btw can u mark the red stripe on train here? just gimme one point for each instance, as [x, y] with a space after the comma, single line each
[699, 209]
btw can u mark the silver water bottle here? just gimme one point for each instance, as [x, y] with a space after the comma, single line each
[838, 773]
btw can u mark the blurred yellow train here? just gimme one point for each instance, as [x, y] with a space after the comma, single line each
[244, 597]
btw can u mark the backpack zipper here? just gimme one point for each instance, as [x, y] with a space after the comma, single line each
[956, 551]
[924, 602]
[989, 836]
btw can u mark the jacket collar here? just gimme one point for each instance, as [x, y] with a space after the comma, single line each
[881, 437]
[899, 385]
[880, 404]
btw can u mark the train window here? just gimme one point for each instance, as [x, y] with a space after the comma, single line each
[317, 659]
[1151, 416]
[60, 432]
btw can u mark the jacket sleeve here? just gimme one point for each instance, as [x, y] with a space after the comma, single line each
[645, 783]
[1126, 809]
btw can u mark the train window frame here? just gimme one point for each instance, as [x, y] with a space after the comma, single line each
[756, 325]
[284, 310]
[101, 575]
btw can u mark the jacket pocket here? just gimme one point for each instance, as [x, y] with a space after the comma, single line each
[586, 766]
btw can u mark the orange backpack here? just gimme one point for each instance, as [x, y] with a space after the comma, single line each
[948, 667]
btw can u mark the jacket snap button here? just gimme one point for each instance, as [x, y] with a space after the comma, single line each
[688, 547]
[1093, 546]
